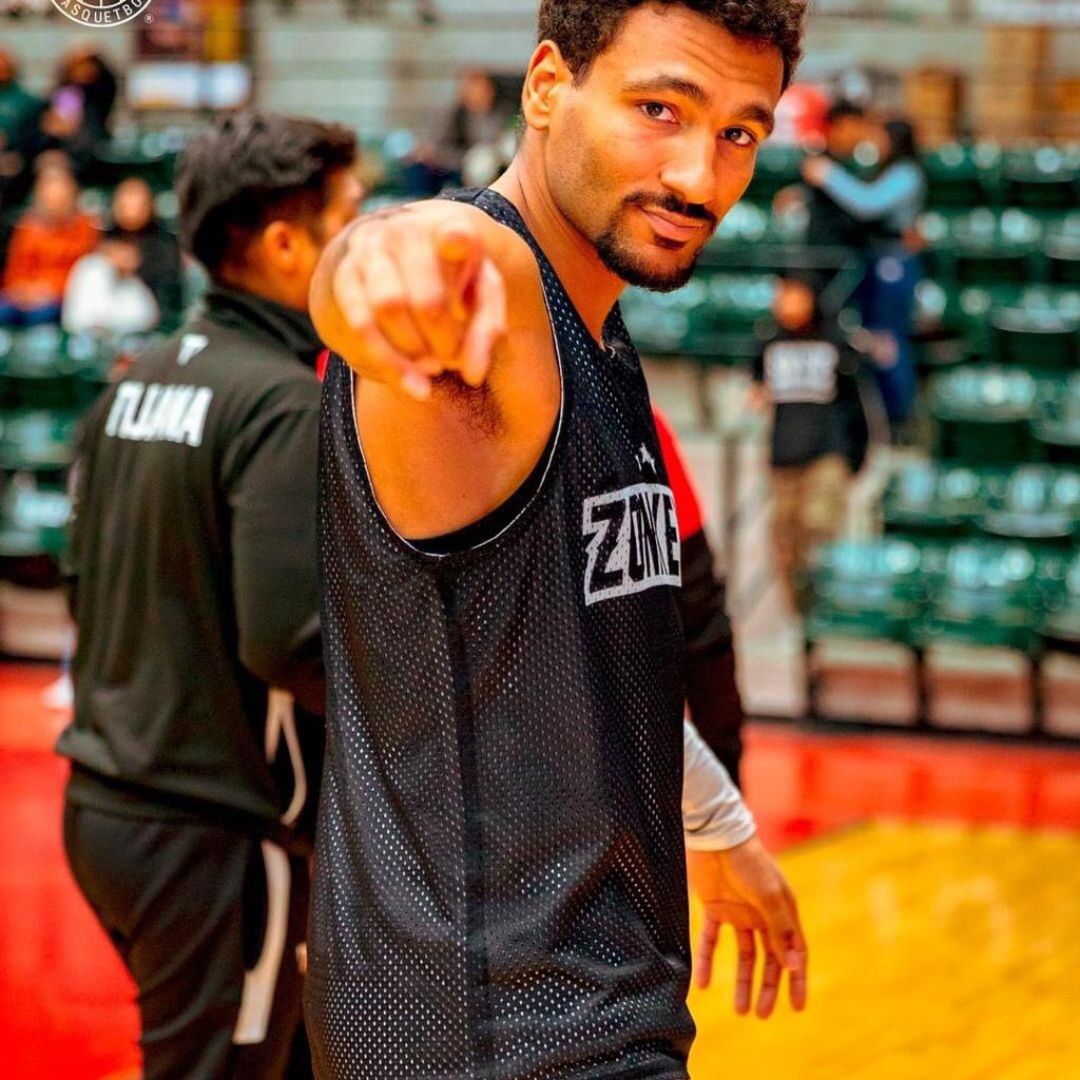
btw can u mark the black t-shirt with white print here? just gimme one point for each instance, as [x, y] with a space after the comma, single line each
[812, 379]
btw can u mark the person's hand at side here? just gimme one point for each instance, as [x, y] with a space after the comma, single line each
[407, 295]
[816, 170]
[744, 888]
[789, 200]
[757, 397]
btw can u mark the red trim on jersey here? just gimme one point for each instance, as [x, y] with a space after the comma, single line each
[687, 504]
[320, 364]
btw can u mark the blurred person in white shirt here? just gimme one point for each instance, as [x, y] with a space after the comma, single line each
[105, 295]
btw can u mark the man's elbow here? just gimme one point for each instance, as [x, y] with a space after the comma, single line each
[295, 667]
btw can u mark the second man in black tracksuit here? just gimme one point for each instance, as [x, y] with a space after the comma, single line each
[196, 740]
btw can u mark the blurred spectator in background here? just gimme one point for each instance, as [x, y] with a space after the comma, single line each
[829, 224]
[19, 112]
[105, 294]
[76, 117]
[887, 209]
[478, 120]
[808, 371]
[49, 238]
[159, 264]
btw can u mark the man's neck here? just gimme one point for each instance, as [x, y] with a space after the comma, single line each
[592, 287]
[257, 286]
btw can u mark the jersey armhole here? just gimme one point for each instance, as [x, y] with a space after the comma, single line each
[496, 523]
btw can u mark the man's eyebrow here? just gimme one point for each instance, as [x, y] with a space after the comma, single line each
[672, 84]
[759, 114]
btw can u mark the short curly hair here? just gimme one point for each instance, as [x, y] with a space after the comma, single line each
[583, 29]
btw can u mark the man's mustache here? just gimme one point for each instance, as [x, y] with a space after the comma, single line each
[673, 205]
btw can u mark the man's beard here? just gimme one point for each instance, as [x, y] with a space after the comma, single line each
[617, 252]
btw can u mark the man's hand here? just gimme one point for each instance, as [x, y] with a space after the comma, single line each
[789, 199]
[419, 296]
[744, 888]
[757, 397]
[815, 170]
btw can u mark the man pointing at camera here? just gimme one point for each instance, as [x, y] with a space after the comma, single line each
[500, 882]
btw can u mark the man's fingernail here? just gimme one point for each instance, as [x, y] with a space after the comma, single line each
[416, 386]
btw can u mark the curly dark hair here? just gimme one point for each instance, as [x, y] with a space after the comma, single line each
[583, 29]
[249, 168]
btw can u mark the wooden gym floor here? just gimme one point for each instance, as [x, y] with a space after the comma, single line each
[939, 882]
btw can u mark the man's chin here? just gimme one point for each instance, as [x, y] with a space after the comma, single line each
[647, 265]
[658, 278]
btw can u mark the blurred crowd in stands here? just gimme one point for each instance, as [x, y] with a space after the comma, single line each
[120, 272]
[117, 273]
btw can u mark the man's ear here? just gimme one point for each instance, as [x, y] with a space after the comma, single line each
[278, 246]
[547, 79]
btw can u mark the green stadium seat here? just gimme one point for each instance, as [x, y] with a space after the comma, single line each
[35, 372]
[986, 595]
[33, 519]
[982, 415]
[1038, 504]
[961, 176]
[37, 442]
[991, 245]
[715, 317]
[150, 155]
[1057, 428]
[1060, 625]
[930, 500]
[1036, 339]
[748, 227]
[866, 590]
[777, 167]
[1043, 179]
[1063, 256]
[990, 264]
[659, 323]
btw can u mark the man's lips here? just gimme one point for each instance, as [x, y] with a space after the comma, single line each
[674, 226]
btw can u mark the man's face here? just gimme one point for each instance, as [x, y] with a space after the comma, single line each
[794, 304]
[844, 134]
[85, 69]
[344, 194]
[55, 195]
[133, 205]
[648, 152]
[477, 92]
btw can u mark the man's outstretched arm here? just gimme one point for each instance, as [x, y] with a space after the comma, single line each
[440, 314]
[406, 294]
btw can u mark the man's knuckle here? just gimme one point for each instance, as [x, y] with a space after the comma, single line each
[387, 305]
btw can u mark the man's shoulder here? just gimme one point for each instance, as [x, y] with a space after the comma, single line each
[246, 376]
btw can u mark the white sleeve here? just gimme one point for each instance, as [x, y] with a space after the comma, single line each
[715, 818]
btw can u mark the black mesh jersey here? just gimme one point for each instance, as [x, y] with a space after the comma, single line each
[500, 888]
